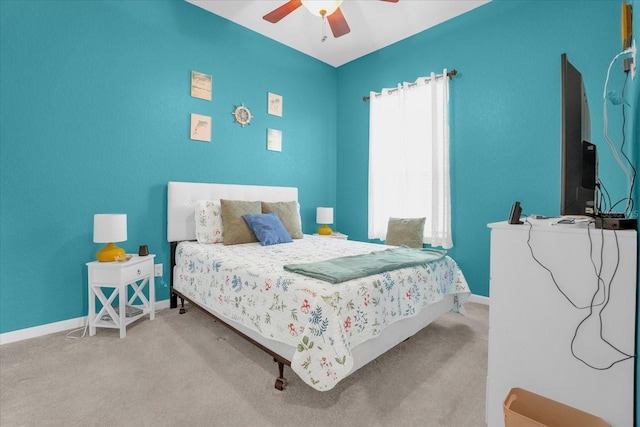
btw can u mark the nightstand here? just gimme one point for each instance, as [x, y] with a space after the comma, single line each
[124, 281]
[335, 235]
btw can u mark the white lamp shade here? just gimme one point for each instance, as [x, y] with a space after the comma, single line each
[109, 228]
[324, 216]
[315, 6]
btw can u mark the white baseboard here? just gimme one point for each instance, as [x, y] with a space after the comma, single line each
[478, 299]
[79, 322]
[52, 328]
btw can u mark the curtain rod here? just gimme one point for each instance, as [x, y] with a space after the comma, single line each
[449, 74]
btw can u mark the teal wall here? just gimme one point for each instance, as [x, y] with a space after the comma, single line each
[95, 109]
[505, 112]
[95, 119]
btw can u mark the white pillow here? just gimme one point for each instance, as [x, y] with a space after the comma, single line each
[208, 217]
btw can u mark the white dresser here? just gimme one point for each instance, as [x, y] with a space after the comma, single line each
[532, 324]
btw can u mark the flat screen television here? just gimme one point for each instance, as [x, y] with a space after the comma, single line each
[579, 166]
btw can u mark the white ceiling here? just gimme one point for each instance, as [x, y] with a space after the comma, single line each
[374, 24]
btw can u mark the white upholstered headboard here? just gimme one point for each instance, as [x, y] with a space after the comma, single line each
[182, 197]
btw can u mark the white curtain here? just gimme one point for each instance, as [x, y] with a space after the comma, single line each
[409, 158]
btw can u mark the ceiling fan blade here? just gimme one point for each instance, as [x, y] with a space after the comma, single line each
[279, 13]
[391, 1]
[338, 24]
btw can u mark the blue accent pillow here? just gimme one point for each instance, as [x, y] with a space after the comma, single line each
[268, 228]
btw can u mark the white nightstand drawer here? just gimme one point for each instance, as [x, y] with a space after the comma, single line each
[137, 271]
[129, 271]
[104, 276]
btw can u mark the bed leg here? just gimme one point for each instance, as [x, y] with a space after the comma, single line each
[182, 309]
[173, 302]
[281, 381]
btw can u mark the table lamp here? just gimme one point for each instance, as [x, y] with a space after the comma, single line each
[324, 216]
[109, 228]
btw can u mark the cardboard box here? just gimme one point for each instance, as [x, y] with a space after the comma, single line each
[523, 408]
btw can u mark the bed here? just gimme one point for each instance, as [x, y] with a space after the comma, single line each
[324, 331]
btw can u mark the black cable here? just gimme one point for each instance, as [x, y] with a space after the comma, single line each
[600, 201]
[553, 278]
[606, 193]
[624, 199]
[592, 304]
[596, 270]
[615, 234]
[575, 335]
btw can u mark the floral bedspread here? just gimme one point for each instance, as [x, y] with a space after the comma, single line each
[248, 284]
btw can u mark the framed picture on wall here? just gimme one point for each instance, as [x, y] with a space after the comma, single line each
[200, 128]
[274, 140]
[274, 104]
[201, 85]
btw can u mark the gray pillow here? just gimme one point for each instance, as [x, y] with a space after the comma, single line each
[234, 228]
[289, 215]
[405, 232]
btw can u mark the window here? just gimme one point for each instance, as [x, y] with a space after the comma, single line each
[409, 158]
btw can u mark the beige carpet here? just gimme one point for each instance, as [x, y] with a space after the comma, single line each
[188, 370]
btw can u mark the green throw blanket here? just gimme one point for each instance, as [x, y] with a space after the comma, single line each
[341, 269]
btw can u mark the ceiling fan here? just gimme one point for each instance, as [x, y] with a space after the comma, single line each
[325, 9]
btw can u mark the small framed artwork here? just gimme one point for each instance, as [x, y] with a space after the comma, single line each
[201, 85]
[275, 104]
[274, 140]
[200, 128]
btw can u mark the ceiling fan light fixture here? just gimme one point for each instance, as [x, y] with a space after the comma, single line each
[321, 7]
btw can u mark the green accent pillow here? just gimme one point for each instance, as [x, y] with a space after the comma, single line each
[289, 214]
[234, 228]
[405, 232]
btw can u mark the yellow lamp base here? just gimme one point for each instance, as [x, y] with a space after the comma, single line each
[325, 230]
[109, 253]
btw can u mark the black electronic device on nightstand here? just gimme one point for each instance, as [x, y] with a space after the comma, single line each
[514, 216]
